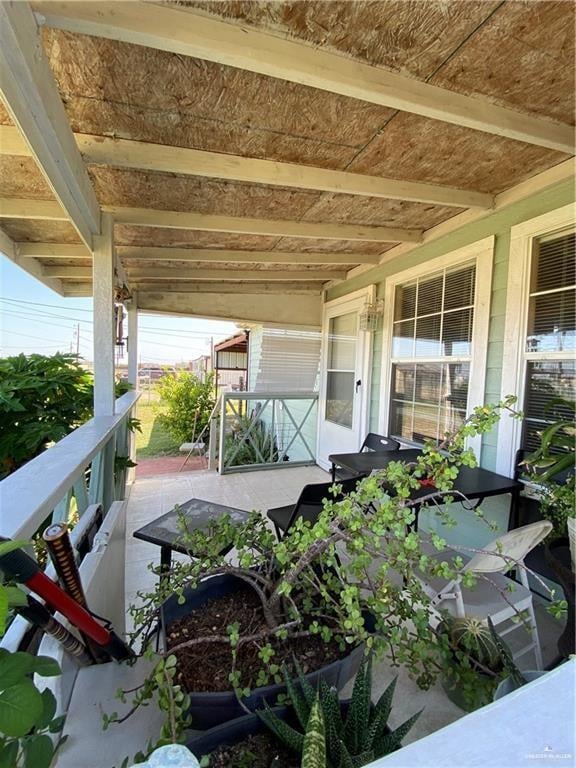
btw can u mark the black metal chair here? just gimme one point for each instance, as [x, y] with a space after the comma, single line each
[374, 443]
[309, 504]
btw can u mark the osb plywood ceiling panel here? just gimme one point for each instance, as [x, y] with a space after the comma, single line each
[182, 238]
[33, 231]
[523, 57]
[171, 192]
[203, 105]
[358, 210]
[418, 149]
[20, 177]
[410, 36]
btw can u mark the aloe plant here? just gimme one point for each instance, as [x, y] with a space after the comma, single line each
[353, 740]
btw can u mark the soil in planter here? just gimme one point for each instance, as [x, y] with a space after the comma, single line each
[257, 751]
[205, 667]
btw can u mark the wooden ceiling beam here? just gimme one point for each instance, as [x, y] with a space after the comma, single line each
[190, 33]
[12, 252]
[149, 217]
[84, 287]
[28, 208]
[54, 250]
[254, 288]
[229, 275]
[159, 253]
[162, 158]
[30, 93]
[215, 165]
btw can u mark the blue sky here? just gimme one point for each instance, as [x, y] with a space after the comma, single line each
[33, 318]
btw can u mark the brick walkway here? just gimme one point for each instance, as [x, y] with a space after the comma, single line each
[166, 465]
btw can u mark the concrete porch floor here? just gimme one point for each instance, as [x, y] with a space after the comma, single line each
[151, 497]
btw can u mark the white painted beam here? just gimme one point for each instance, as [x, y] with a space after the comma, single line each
[226, 275]
[252, 308]
[124, 153]
[103, 283]
[29, 92]
[148, 217]
[27, 208]
[12, 251]
[253, 288]
[158, 253]
[190, 33]
[54, 250]
[167, 159]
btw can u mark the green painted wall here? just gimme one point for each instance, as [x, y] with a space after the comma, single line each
[497, 224]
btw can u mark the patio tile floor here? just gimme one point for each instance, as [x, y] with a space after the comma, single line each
[151, 497]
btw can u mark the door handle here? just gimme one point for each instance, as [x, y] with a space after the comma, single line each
[358, 385]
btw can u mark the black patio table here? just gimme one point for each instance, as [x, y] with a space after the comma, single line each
[474, 483]
[198, 514]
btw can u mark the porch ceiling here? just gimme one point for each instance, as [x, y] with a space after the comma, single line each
[226, 173]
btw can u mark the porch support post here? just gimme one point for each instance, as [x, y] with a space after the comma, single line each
[133, 341]
[103, 282]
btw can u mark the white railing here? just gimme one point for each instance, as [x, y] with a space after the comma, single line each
[45, 485]
[88, 465]
[263, 430]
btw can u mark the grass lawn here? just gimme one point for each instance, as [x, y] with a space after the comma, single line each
[154, 439]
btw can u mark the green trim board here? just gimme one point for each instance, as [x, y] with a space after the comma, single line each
[498, 223]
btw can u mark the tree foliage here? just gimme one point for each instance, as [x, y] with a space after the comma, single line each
[42, 398]
[186, 403]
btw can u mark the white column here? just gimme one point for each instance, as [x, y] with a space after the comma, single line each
[133, 340]
[103, 289]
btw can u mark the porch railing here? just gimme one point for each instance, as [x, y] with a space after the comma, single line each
[88, 466]
[261, 430]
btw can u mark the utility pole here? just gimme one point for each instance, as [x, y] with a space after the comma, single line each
[78, 340]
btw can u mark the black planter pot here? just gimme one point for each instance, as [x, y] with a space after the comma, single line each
[212, 709]
[232, 732]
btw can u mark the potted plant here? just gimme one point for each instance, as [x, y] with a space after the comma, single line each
[354, 578]
[353, 732]
[474, 661]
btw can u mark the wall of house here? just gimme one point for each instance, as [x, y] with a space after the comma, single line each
[474, 532]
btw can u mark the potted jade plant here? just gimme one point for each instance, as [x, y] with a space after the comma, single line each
[352, 580]
[353, 732]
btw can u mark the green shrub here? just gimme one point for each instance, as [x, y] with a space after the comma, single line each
[185, 401]
[42, 398]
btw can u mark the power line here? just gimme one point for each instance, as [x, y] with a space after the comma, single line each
[39, 304]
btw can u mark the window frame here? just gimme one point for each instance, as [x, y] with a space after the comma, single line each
[515, 357]
[482, 253]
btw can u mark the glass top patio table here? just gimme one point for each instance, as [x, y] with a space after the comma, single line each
[474, 483]
[196, 514]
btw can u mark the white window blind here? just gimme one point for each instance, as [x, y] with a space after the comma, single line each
[550, 339]
[431, 353]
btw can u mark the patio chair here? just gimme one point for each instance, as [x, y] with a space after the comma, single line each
[494, 594]
[309, 504]
[372, 442]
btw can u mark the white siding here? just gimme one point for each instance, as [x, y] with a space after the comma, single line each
[284, 360]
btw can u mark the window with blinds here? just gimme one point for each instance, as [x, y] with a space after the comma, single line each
[431, 353]
[550, 340]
